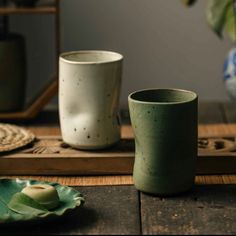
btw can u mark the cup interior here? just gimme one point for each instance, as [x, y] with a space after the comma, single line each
[166, 96]
[91, 56]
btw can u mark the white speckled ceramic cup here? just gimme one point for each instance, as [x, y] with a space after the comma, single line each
[89, 92]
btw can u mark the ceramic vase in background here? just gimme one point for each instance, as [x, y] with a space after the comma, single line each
[89, 93]
[230, 74]
[164, 123]
[12, 72]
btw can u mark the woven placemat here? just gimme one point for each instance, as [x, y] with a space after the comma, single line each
[13, 137]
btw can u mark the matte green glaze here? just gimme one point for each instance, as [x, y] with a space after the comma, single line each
[13, 72]
[164, 122]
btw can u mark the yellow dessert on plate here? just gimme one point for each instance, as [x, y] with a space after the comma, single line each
[44, 194]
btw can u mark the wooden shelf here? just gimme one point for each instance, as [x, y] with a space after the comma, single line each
[31, 10]
[32, 109]
[37, 105]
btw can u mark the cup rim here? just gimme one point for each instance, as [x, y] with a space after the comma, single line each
[118, 56]
[194, 96]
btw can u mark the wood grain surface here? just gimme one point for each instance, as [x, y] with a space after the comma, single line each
[207, 210]
[109, 210]
[48, 155]
[113, 206]
[48, 124]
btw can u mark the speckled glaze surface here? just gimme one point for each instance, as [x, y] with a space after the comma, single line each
[89, 91]
[164, 122]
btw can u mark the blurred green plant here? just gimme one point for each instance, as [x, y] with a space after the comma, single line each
[220, 15]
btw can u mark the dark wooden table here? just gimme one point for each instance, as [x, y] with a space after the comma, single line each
[208, 209]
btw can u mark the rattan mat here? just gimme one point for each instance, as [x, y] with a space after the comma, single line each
[13, 137]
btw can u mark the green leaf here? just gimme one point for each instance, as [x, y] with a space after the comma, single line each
[231, 23]
[70, 199]
[22, 204]
[188, 3]
[216, 14]
[3, 207]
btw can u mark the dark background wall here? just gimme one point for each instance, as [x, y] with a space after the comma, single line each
[164, 44]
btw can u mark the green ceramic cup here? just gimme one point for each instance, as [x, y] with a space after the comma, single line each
[165, 125]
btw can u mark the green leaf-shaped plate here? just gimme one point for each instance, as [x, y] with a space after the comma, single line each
[69, 200]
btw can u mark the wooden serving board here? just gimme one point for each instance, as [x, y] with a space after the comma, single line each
[48, 155]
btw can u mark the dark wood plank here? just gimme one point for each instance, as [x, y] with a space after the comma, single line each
[210, 113]
[108, 210]
[230, 111]
[206, 210]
